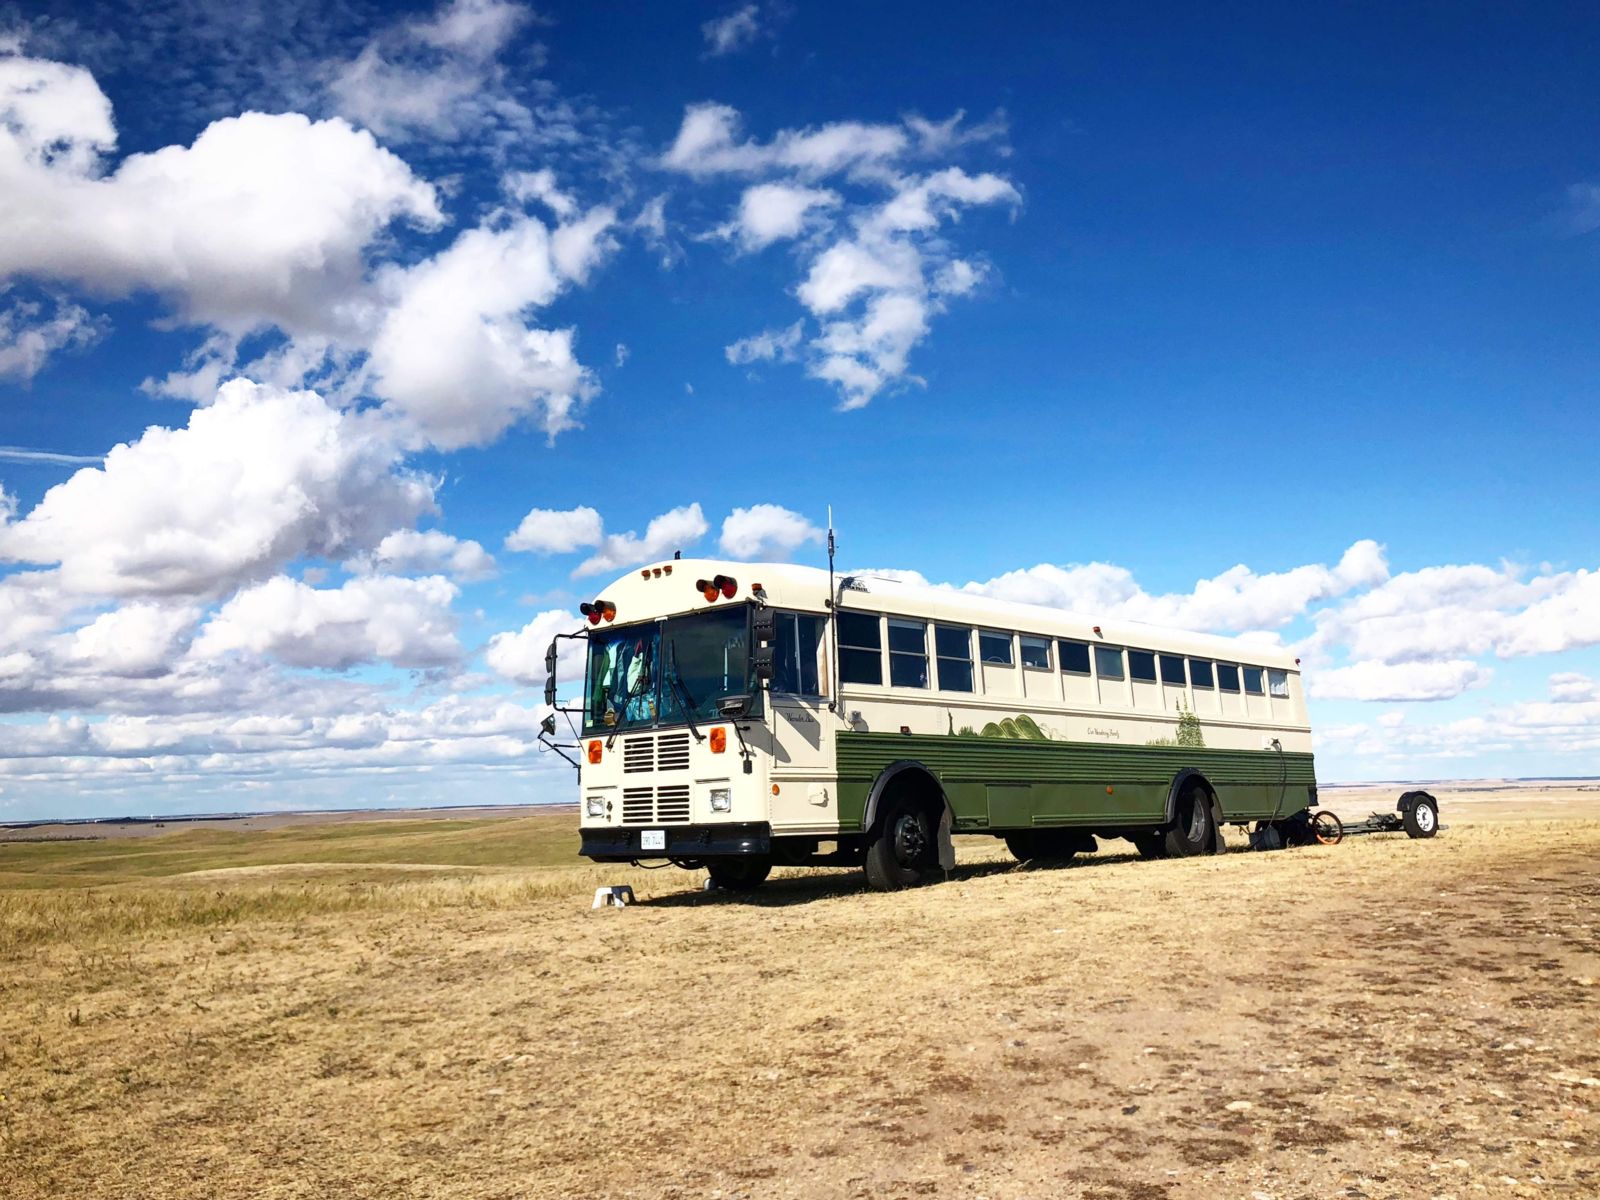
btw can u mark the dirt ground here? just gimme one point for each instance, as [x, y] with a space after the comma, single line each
[1385, 1018]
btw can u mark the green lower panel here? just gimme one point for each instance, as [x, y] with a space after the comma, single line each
[995, 783]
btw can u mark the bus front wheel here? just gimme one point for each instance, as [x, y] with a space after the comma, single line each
[903, 848]
[739, 874]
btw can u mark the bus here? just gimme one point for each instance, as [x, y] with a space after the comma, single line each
[737, 716]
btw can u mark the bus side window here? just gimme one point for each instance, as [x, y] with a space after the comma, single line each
[1108, 662]
[794, 656]
[908, 653]
[994, 647]
[1074, 657]
[953, 646]
[1035, 652]
[1278, 683]
[1228, 677]
[860, 648]
[1252, 681]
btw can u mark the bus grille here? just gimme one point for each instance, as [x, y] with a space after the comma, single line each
[638, 755]
[656, 806]
[638, 806]
[670, 752]
[672, 804]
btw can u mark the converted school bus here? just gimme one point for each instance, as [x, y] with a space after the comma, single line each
[737, 715]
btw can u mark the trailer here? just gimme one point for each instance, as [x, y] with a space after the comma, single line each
[1416, 814]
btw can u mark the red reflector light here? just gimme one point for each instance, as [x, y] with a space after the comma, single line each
[728, 585]
[594, 616]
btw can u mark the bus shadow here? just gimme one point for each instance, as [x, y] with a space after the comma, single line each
[786, 890]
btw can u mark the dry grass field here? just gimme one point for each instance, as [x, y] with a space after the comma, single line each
[430, 1009]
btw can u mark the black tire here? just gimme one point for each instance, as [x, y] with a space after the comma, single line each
[1190, 831]
[1421, 818]
[739, 874]
[1149, 845]
[1035, 845]
[904, 846]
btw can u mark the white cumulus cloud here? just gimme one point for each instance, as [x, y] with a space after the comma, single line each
[771, 212]
[733, 31]
[430, 552]
[766, 531]
[1389, 682]
[556, 531]
[372, 618]
[260, 477]
[519, 655]
[671, 531]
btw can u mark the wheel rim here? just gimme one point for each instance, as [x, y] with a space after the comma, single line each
[1197, 819]
[1424, 815]
[910, 840]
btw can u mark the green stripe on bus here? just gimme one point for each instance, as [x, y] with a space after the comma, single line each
[1066, 782]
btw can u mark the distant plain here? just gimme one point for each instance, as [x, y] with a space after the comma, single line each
[420, 1006]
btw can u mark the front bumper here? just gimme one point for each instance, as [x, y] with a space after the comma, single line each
[621, 844]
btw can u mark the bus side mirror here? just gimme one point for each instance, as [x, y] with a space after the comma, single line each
[764, 636]
[548, 725]
[550, 675]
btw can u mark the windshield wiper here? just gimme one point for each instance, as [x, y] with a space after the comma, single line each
[679, 689]
[646, 676]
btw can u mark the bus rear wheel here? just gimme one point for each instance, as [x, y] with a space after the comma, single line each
[903, 848]
[1190, 833]
[739, 874]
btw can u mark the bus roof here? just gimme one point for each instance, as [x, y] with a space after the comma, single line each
[667, 588]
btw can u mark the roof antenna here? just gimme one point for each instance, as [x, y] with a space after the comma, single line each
[833, 618]
[676, 555]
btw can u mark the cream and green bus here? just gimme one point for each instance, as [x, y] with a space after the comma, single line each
[740, 715]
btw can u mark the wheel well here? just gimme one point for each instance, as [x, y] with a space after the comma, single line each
[897, 780]
[1408, 799]
[1181, 783]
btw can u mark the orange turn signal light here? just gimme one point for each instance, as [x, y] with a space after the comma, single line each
[594, 751]
[719, 740]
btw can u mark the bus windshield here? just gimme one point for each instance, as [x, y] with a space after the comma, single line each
[644, 675]
[621, 691]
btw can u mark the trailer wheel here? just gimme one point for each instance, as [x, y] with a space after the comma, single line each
[903, 847]
[739, 874]
[1327, 829]
[1421, 819]
[1191, 827]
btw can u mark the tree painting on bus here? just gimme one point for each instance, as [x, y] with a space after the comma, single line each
[1018, 728]
[1189, 732]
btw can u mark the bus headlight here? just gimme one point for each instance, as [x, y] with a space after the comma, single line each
[595, 806]
[721, 800]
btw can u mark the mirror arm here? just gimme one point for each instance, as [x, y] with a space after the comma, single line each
[549, 745]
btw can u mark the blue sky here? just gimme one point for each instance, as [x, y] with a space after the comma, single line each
[1249, 320]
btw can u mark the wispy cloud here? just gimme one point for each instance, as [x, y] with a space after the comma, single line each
[25, 455]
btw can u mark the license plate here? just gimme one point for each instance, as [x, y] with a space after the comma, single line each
[652, 839]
